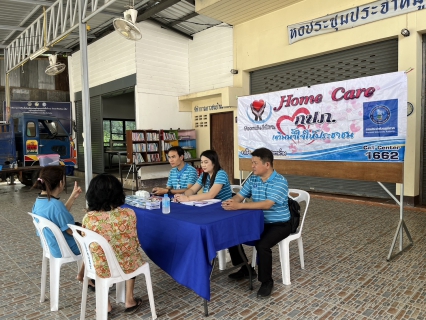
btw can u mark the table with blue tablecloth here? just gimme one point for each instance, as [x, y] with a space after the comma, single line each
[184, 242]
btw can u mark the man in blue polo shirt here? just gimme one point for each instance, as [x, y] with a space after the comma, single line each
[269, 191]
[181, 177]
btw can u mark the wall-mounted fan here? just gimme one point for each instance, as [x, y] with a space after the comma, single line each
[54, 67]
[127, 26]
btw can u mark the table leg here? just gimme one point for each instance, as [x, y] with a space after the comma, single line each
[206, 309]
[119, 167]
[240, 251]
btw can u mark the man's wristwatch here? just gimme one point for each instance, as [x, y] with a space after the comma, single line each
[169, 191]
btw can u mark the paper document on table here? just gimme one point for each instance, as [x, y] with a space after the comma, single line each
[201, 203]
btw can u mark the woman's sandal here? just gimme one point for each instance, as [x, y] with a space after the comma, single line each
[135, 308]
[91, 286]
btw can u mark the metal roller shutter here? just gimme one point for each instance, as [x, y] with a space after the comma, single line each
[97, 133]
[80, 150]
[423, 106]
[368, 60]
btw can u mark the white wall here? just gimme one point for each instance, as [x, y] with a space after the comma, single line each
[167, 65]
[162, 76]
[211, 59]
[109, 58]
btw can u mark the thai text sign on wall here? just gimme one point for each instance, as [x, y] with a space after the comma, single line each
[60, 110]
[354, 17]
[359, 120]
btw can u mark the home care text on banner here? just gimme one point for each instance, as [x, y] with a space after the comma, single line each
[359, 120]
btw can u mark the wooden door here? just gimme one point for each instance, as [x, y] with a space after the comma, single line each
[222, 140]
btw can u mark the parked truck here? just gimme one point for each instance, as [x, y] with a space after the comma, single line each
[25, 137]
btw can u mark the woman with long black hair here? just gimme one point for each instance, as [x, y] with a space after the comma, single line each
[214, 181]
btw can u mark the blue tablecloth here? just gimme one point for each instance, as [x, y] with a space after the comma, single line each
[184, 242]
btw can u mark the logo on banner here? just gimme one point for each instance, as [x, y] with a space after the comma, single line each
[381, 118]
[259, 112]
[380, 114]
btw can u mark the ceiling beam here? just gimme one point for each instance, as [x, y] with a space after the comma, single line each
[54, 49]
[112, 14]
[59, 49]
[14, 28]
[36, 2]
[187, 17]
[165, 26]
[156, 9]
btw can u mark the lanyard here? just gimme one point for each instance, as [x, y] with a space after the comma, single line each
[179, 173]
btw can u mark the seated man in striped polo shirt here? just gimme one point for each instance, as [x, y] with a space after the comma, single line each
[181, 177]
[269, 191]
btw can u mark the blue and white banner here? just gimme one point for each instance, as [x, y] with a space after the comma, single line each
[60, 110]
[354, 17]
[359, 120]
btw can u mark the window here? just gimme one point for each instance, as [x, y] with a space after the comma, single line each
[115, 131]
[49, 129]
[31, 129]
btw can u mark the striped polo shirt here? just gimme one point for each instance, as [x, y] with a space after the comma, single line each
[180, 179]
[274, 189]
[221, 178]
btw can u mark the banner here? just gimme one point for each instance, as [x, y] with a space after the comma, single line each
[354, 17]
[359, 120]
[60, 110]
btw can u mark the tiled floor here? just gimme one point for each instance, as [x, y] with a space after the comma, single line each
[346, 274]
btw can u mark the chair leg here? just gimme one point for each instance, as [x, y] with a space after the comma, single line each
[301, 255]
[102, 289]
[43, 278]
[150, 292]
[254, 257]
[221, 256]
[120, 292]
[79, 265]
[84, 298]
[55, 276]
[285, 261]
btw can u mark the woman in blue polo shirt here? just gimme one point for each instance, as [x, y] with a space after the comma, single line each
[214, 181]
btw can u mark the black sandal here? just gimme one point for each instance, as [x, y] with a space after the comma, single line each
[135, 308]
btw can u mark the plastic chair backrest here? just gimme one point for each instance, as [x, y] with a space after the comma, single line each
[42, 223]
[302, 196]
[93, 237]
[236, 187]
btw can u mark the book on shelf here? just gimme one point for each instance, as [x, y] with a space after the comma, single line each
[138, 136]
[169, 136]
[138, 158]
[153, 157]
[139, 147]
[152, 136]
[152, 147]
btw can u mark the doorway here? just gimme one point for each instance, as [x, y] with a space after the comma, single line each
[222, 140]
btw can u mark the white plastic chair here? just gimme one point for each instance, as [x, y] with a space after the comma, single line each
[223, 255]
[284, 245]
[55, 263]
[103, 284]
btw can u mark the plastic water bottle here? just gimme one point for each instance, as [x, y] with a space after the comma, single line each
[165, 203]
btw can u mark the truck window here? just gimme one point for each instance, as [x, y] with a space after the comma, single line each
[49, 129]
[31, 129]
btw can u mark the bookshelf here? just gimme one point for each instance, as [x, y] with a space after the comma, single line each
[187, 140]
[184, 138]
[146, 146]
[143, 146]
